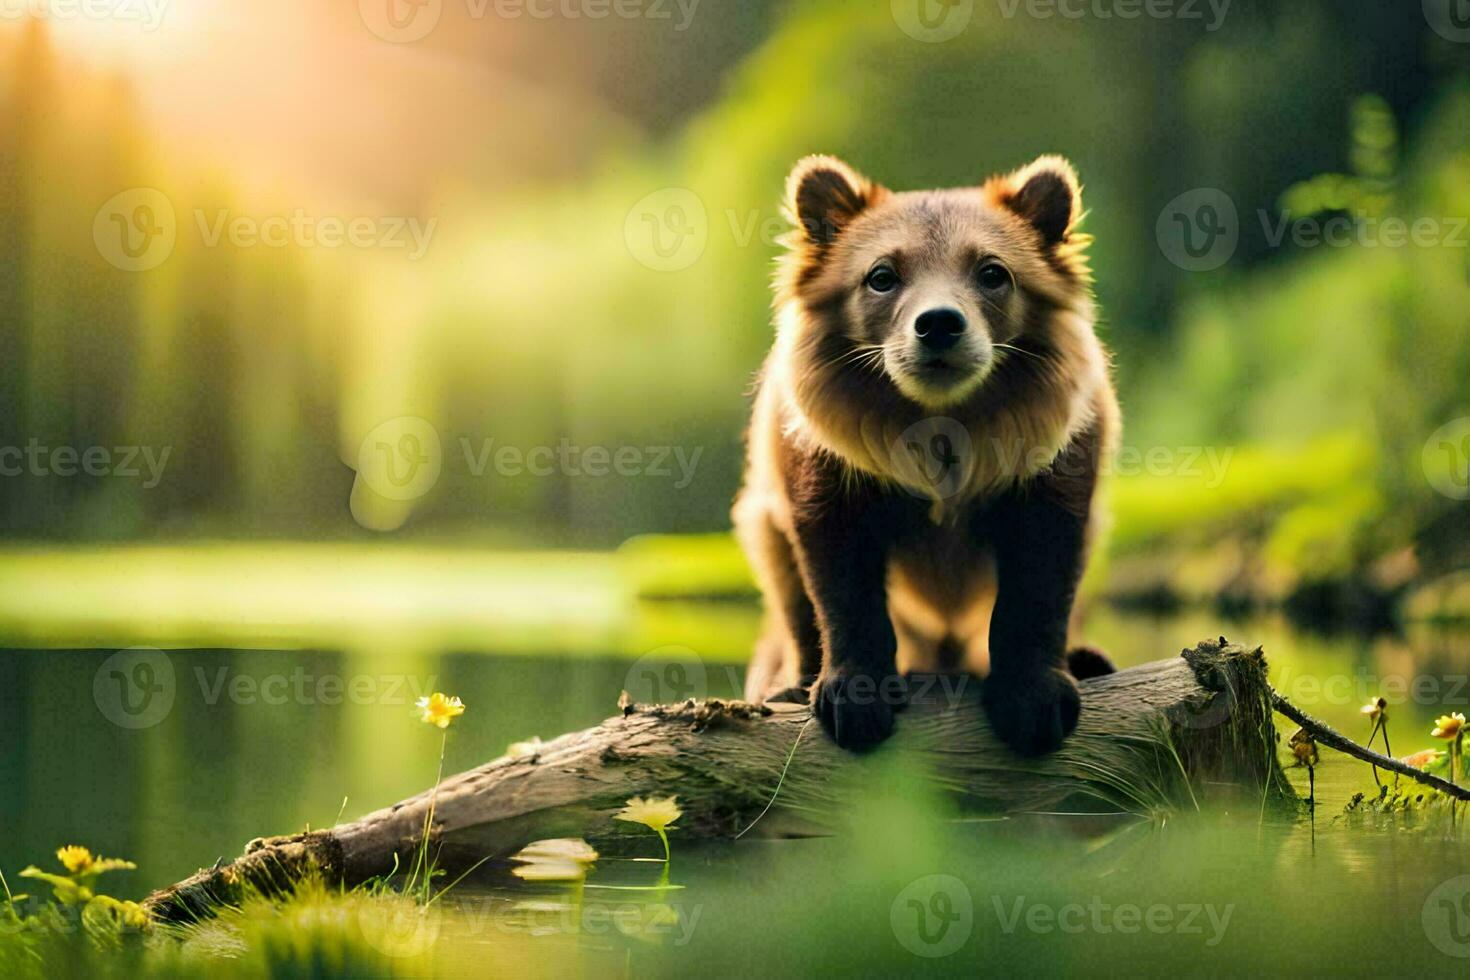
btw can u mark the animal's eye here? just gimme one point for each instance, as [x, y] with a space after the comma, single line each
[882, 279]
[993, 276]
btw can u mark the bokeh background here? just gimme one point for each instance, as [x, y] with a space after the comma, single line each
[307, 269]
[542, 157]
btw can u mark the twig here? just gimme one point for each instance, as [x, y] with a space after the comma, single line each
[1335, 740]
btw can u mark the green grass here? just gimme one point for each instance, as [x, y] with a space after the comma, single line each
[416, 596]
[310, 595]
[686, 566]
[1225, 893]
[1258, 484]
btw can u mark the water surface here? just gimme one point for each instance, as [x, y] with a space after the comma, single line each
[175, 758]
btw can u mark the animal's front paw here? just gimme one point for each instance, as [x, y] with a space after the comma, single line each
[856, 708]
[1032, 712]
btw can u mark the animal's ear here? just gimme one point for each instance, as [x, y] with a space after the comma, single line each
[823, 195]
[1046, 194]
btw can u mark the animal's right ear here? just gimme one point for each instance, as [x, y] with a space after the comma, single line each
[823, 195]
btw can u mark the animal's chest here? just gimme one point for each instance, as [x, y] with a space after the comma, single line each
[943, 564]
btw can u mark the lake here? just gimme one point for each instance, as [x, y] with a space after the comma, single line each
[176, 757]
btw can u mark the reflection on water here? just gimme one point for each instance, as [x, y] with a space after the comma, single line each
[1212, 895]
[175, 759]
[229, 745]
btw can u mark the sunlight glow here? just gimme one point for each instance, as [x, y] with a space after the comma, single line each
[126, 30]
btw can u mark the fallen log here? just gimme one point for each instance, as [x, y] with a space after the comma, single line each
[1152, 739]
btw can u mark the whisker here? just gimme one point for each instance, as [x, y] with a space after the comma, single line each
[1019, 350]
[876, 361]
[858, 352]
[868, 356]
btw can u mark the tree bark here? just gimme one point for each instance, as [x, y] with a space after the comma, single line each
[1152, 739]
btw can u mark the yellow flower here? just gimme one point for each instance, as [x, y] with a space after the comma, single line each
[1449, 726]
[656, 814]
[81, 863]
[77, 860]
[1375, 709]
[440, 709]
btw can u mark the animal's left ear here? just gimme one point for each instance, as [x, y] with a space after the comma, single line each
[1046, 194]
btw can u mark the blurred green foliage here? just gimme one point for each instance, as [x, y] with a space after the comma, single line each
[532, 322]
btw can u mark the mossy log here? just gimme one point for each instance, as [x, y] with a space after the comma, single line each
[1163, 736]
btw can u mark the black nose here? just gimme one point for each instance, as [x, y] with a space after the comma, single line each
[940, 329]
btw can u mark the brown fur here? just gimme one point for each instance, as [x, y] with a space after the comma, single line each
[1041, 418]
